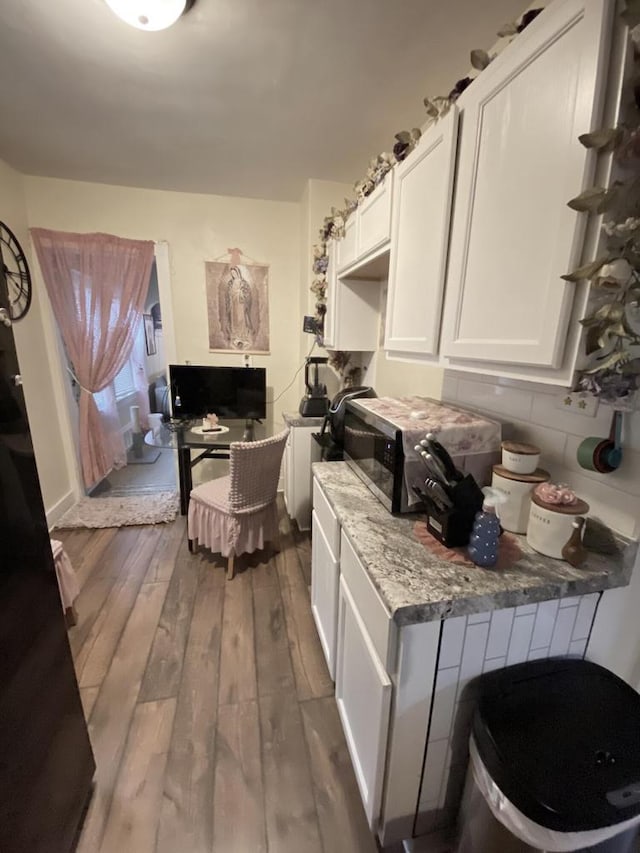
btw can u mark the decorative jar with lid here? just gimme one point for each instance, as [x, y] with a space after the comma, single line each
[553, 510]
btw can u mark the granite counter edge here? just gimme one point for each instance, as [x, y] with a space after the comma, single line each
[449, 608]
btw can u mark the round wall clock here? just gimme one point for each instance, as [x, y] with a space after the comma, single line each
[16, 273]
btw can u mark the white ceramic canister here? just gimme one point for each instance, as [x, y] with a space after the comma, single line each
[514, 513]
[550, 525]
[520, 458]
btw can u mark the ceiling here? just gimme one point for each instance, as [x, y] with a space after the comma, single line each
[240, 97]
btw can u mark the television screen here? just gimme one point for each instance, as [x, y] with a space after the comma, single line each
[229, 392]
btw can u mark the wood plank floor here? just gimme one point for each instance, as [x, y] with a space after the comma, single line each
[210, 708]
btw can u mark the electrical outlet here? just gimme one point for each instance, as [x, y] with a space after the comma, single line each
[246, 360]
[578, 403]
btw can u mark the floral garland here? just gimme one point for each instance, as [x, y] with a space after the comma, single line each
[405, 142]
[612, 339]
[612, 329]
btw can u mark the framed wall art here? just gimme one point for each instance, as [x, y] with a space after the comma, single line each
[149, 334]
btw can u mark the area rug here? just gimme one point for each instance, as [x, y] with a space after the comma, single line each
[120, 511]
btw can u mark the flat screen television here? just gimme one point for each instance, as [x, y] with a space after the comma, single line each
[229, 392]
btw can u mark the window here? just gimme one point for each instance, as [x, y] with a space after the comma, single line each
[123, 384]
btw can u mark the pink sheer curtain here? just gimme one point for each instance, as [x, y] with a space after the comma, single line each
[97, 285]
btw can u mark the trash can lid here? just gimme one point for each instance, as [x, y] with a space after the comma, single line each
[561, 739]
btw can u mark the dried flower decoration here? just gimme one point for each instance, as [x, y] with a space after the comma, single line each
[527, 18]
[612, 325]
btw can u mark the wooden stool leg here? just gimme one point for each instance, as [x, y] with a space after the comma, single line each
[230, 566]
[276, 541]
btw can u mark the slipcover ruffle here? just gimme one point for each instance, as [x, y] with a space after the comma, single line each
[237, 514]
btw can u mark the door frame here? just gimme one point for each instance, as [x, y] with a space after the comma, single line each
[61, 384]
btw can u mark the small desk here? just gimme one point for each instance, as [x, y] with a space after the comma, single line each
[214, 446]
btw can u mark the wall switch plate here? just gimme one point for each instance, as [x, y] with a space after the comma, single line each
[578, 403]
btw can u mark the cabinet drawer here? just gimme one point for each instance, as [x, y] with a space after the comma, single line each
[373, 613]
[326, 519]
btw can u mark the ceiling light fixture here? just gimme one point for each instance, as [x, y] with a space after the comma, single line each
[149, 14]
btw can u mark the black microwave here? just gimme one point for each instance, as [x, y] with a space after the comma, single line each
[373, 450]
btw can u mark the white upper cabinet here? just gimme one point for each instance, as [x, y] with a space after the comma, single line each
[368, 229]
[375, 218]
[520, 161]
[417, 267]
[352, 318]
[347, 247]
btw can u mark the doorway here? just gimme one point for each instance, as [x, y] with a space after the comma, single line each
[147, 471]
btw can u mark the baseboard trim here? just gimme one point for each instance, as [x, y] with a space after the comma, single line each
[55, 512]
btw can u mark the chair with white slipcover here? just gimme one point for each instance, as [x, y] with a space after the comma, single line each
[237, 514]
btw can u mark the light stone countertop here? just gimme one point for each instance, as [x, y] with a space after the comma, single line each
[417, 586]
[293, 419]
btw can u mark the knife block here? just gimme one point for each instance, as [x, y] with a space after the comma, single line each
[453, 526]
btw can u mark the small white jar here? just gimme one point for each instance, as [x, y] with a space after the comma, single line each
[551, 525]
[514, 513]
[520, 458]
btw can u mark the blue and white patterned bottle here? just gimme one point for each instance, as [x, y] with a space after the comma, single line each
[484, 539]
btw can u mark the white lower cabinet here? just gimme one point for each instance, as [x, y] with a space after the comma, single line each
[325, 573]
[298, 456]
[403, 693]
[363, 695]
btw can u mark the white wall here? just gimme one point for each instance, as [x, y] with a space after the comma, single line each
[35, 365]
[197, 228]
[530, 413]
[396, 378]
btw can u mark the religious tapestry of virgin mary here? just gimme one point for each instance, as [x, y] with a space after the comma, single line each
[237, 307]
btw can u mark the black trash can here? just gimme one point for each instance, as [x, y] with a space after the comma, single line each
[554, 761]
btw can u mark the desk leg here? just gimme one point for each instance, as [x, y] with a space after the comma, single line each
[186, 483]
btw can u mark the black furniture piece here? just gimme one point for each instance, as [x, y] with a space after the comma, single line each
[46, 762]
[213, 445]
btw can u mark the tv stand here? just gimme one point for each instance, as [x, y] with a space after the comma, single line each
[249, 428]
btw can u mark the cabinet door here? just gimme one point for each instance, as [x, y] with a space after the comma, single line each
[330, 315]
[357, 315]
[302, 481]
[348, 246]
[324, 593]
[520, 161]
[363, 696]
[421, 208]
[288, 475]
[374, 228]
